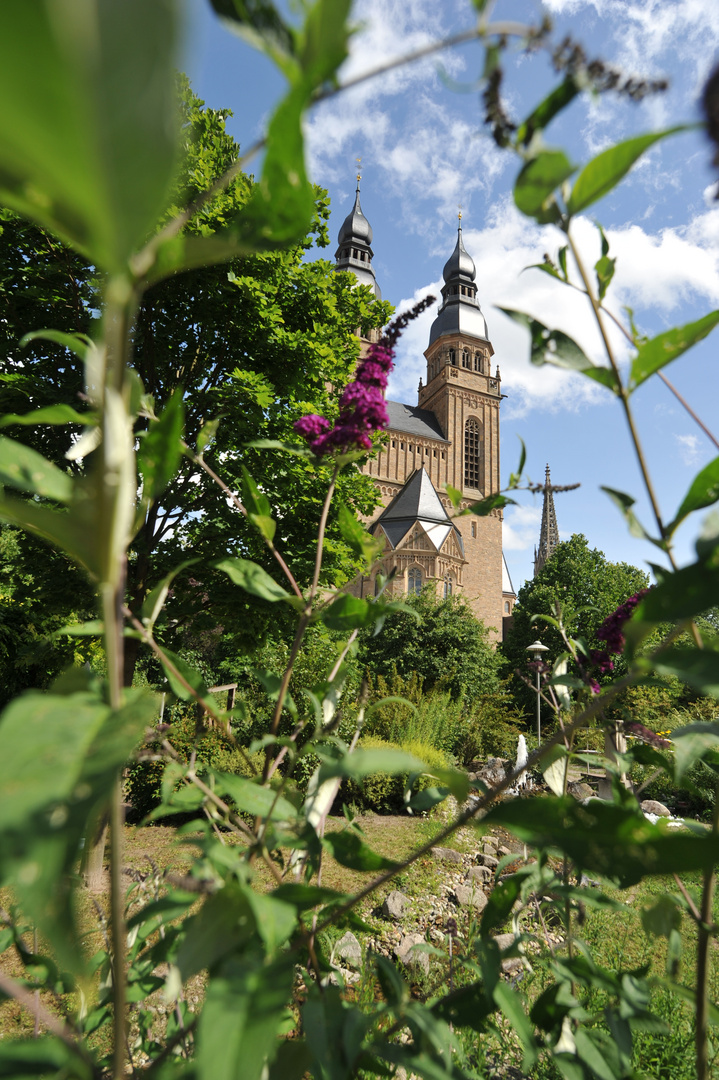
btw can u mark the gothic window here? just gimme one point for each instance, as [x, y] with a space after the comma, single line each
[506, 607]
[473, 453]
[447, 585]
[478, 362]
[466, 362]
[414, 581]
[452, 357]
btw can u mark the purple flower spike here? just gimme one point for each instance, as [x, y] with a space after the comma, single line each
[362, 406]
[611, 629]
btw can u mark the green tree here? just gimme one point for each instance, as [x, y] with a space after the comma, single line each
[255, 343]
[586, 586]
[447, 647]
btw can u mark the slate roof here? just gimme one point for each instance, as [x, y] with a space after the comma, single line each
[414, 421]
[418, 501]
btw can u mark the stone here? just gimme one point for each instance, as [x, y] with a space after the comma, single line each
[651, 806]
[512, 963]
[488, 860]
[446, 854]
[395, 905]
[494, 771]
[412, 957]
[503, 850]
[470, 896]
[348, 952]
[489, 848]
[580, 790]
[482, 874]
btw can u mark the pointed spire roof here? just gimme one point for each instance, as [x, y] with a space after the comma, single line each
[459, 312]
[417, 502]
[549, 533]
[354, 252]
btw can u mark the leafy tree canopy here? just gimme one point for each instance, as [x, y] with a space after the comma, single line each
[256, 343]
[447, 647]
[587, 587]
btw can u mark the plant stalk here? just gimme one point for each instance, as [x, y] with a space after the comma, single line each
[705, 934]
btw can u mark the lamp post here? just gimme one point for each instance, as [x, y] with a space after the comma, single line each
[536, 649]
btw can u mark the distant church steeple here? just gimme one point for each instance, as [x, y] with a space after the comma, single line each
[354, 252]
[549, 533]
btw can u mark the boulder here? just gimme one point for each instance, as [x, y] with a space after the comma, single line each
[580, 790]
[513, 963]
[503, 850]
[470, 896]
[489, 848]
[348, 952]
[494, 771]
[395, 905]
[481, 874]
[651, 806]
[488, 860]
[411, 956]
[446, 854]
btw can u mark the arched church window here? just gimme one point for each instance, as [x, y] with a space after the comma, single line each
[466, 362]
[473, 453]
[414, 581]
[478, 362]
[452, 357]
[506, 607]
[447, 585]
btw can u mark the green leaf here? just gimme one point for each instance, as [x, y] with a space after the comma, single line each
[349, 849]
[243, 1012]
[257, 505]
[79, 344]
[276, 920]
[696, 667]
[25, 469]
[695, 742]
[45, 1056]
[624, 504]
[68, 532]
[207, 435]
[467, 1007]
[357, 538]
[681, 595]
[604, 269]
[557, 348]
[655, 354]
[251, 577]
[589, 1052]
[512, 1006]
[605, 171]
[305, 897]
[492, 502]
[616, 842]
[663, 917]
[703, 492]
[253, 798]
[155, 599]
[170, 660]
[347, 612]
[364, 762]
[161, 448]
[537, 181]
[547, 109]
[500, 904]
[51, 414]
[92, 95]
[455, 496]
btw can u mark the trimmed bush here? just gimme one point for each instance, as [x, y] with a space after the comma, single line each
[383, 793]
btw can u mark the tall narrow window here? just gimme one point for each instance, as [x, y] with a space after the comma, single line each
[414, 580]
[478, 362]
[452, 357]
[473, 453]
[466, 362]
[447, 585]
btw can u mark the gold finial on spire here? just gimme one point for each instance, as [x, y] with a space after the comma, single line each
[459, 214]
[359, 165]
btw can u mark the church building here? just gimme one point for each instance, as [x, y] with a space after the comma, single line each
[450, 437]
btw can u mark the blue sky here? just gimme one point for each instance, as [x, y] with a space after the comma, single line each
[424, 150]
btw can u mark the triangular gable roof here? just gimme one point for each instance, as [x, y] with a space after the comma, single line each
[507, 586]
[418, 501]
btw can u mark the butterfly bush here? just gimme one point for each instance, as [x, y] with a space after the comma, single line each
[363, 411]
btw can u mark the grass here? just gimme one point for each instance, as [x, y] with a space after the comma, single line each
[617, 941]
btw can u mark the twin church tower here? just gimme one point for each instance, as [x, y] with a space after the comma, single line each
[450, 437]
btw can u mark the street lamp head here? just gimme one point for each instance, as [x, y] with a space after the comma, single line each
[536, 649]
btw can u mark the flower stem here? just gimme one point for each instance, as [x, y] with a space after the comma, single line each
[705, 935]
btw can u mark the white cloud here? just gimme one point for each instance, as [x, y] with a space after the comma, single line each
[655, 274]
[520, 528]
[689, 448]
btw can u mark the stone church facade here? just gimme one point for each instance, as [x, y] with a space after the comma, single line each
[450, 437]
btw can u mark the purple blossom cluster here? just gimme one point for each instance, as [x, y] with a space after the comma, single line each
[647, 736]
[362, 406]
[611, 629]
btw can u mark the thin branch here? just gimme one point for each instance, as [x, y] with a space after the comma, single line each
[688, 408]
[54, 1024]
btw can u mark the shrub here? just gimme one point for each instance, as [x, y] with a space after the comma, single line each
[383, 793]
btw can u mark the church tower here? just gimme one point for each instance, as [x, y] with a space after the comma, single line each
[450, 438]
[548, 533]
